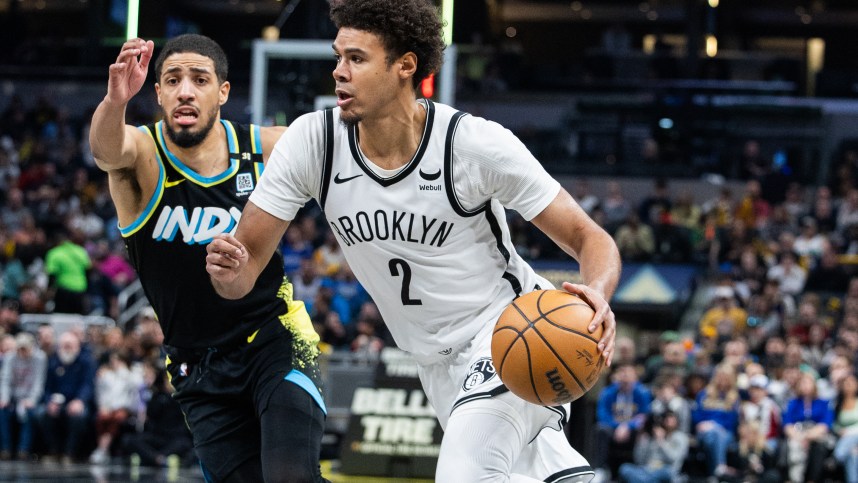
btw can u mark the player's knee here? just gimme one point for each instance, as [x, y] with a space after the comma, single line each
[487, 466]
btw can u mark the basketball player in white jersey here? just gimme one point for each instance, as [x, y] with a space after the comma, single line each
[415, 192]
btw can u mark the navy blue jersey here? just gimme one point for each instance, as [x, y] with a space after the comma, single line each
[167, 246]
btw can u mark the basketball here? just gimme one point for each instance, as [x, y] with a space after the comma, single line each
[542, 349]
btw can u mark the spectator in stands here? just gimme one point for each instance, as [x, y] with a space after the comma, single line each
[10, 318]
[659, 451]
[716, 418]
[14, 276]
[307, 282]
[829, 275]
[367, 344]
[346, 286]
[622, 409]
[672, 358]
[759, 428]
[586, 200]
[635, 240]
[625, 351]
[116, 393]
[788, 273]
[22, 383]
[780, 222]
[846, 427]
[32, 299]
[46, 339]
[807, 428]
[112, 265]
[823, 210]
[809, 243]
[329, 257]
[67, 264]
[847, 213]
[753, 164]
[749, 274]
[30, 241]
[725, 319]
[667, 399]
[84, 220]
[164, 430]
[615, 206]
[14, 211]
[295, 249]
[720, 208]
[752, 209]
[7, 345]
[657, 203]
[64, 412]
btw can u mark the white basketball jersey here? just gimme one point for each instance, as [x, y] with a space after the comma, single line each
[438, 271]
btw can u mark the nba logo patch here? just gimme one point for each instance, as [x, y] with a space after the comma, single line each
[479, 372]
[183, 370]
[244, 182]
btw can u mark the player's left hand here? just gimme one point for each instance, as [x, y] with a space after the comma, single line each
[604, 315]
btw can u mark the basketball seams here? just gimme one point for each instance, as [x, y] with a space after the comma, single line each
[530, 371]
[559, 358]
[537, 353]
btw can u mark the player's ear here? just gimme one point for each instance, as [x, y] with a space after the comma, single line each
[223, 95]
[158, 92]
[407, 65]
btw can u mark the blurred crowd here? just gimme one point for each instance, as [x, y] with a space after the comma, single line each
[761, 387]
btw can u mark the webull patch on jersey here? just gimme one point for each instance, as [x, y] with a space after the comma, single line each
[480, 371]
[200, 227]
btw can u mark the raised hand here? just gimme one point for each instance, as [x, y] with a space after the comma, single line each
[128, 73]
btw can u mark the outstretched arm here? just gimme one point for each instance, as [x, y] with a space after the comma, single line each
[235, 262]
[114, 145]
[577, 234]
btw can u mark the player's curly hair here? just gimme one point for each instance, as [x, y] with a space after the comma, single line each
[403, 26]
[198, 44]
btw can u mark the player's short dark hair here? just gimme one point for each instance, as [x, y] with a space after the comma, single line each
[198, 44]
[403, 26]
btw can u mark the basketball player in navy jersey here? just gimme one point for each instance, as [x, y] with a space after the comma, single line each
[415, 192]
[243, 369]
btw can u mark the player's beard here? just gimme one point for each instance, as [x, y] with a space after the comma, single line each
[350, 120]
[185, 138]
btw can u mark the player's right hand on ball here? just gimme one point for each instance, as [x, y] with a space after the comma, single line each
[128, 73]
[225, 256]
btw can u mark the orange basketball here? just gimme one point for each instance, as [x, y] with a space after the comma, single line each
[542, 349]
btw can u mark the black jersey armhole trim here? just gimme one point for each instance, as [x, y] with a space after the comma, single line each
[485, 208]
[329, 156]
[412, 165]
[449, 185]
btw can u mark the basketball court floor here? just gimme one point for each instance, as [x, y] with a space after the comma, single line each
[26, 472]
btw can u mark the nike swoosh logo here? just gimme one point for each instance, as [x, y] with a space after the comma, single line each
[430, 176]
[170, 184]
[339, 180]
[252, 336]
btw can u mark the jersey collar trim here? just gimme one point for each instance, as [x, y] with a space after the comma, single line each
[232, 141]
[411, 166]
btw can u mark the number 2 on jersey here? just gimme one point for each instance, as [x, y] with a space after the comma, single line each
[406, 280]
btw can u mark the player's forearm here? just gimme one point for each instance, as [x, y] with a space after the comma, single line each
[107, 135]
[600, 263]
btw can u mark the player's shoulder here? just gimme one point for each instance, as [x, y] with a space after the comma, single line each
[477, 134]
